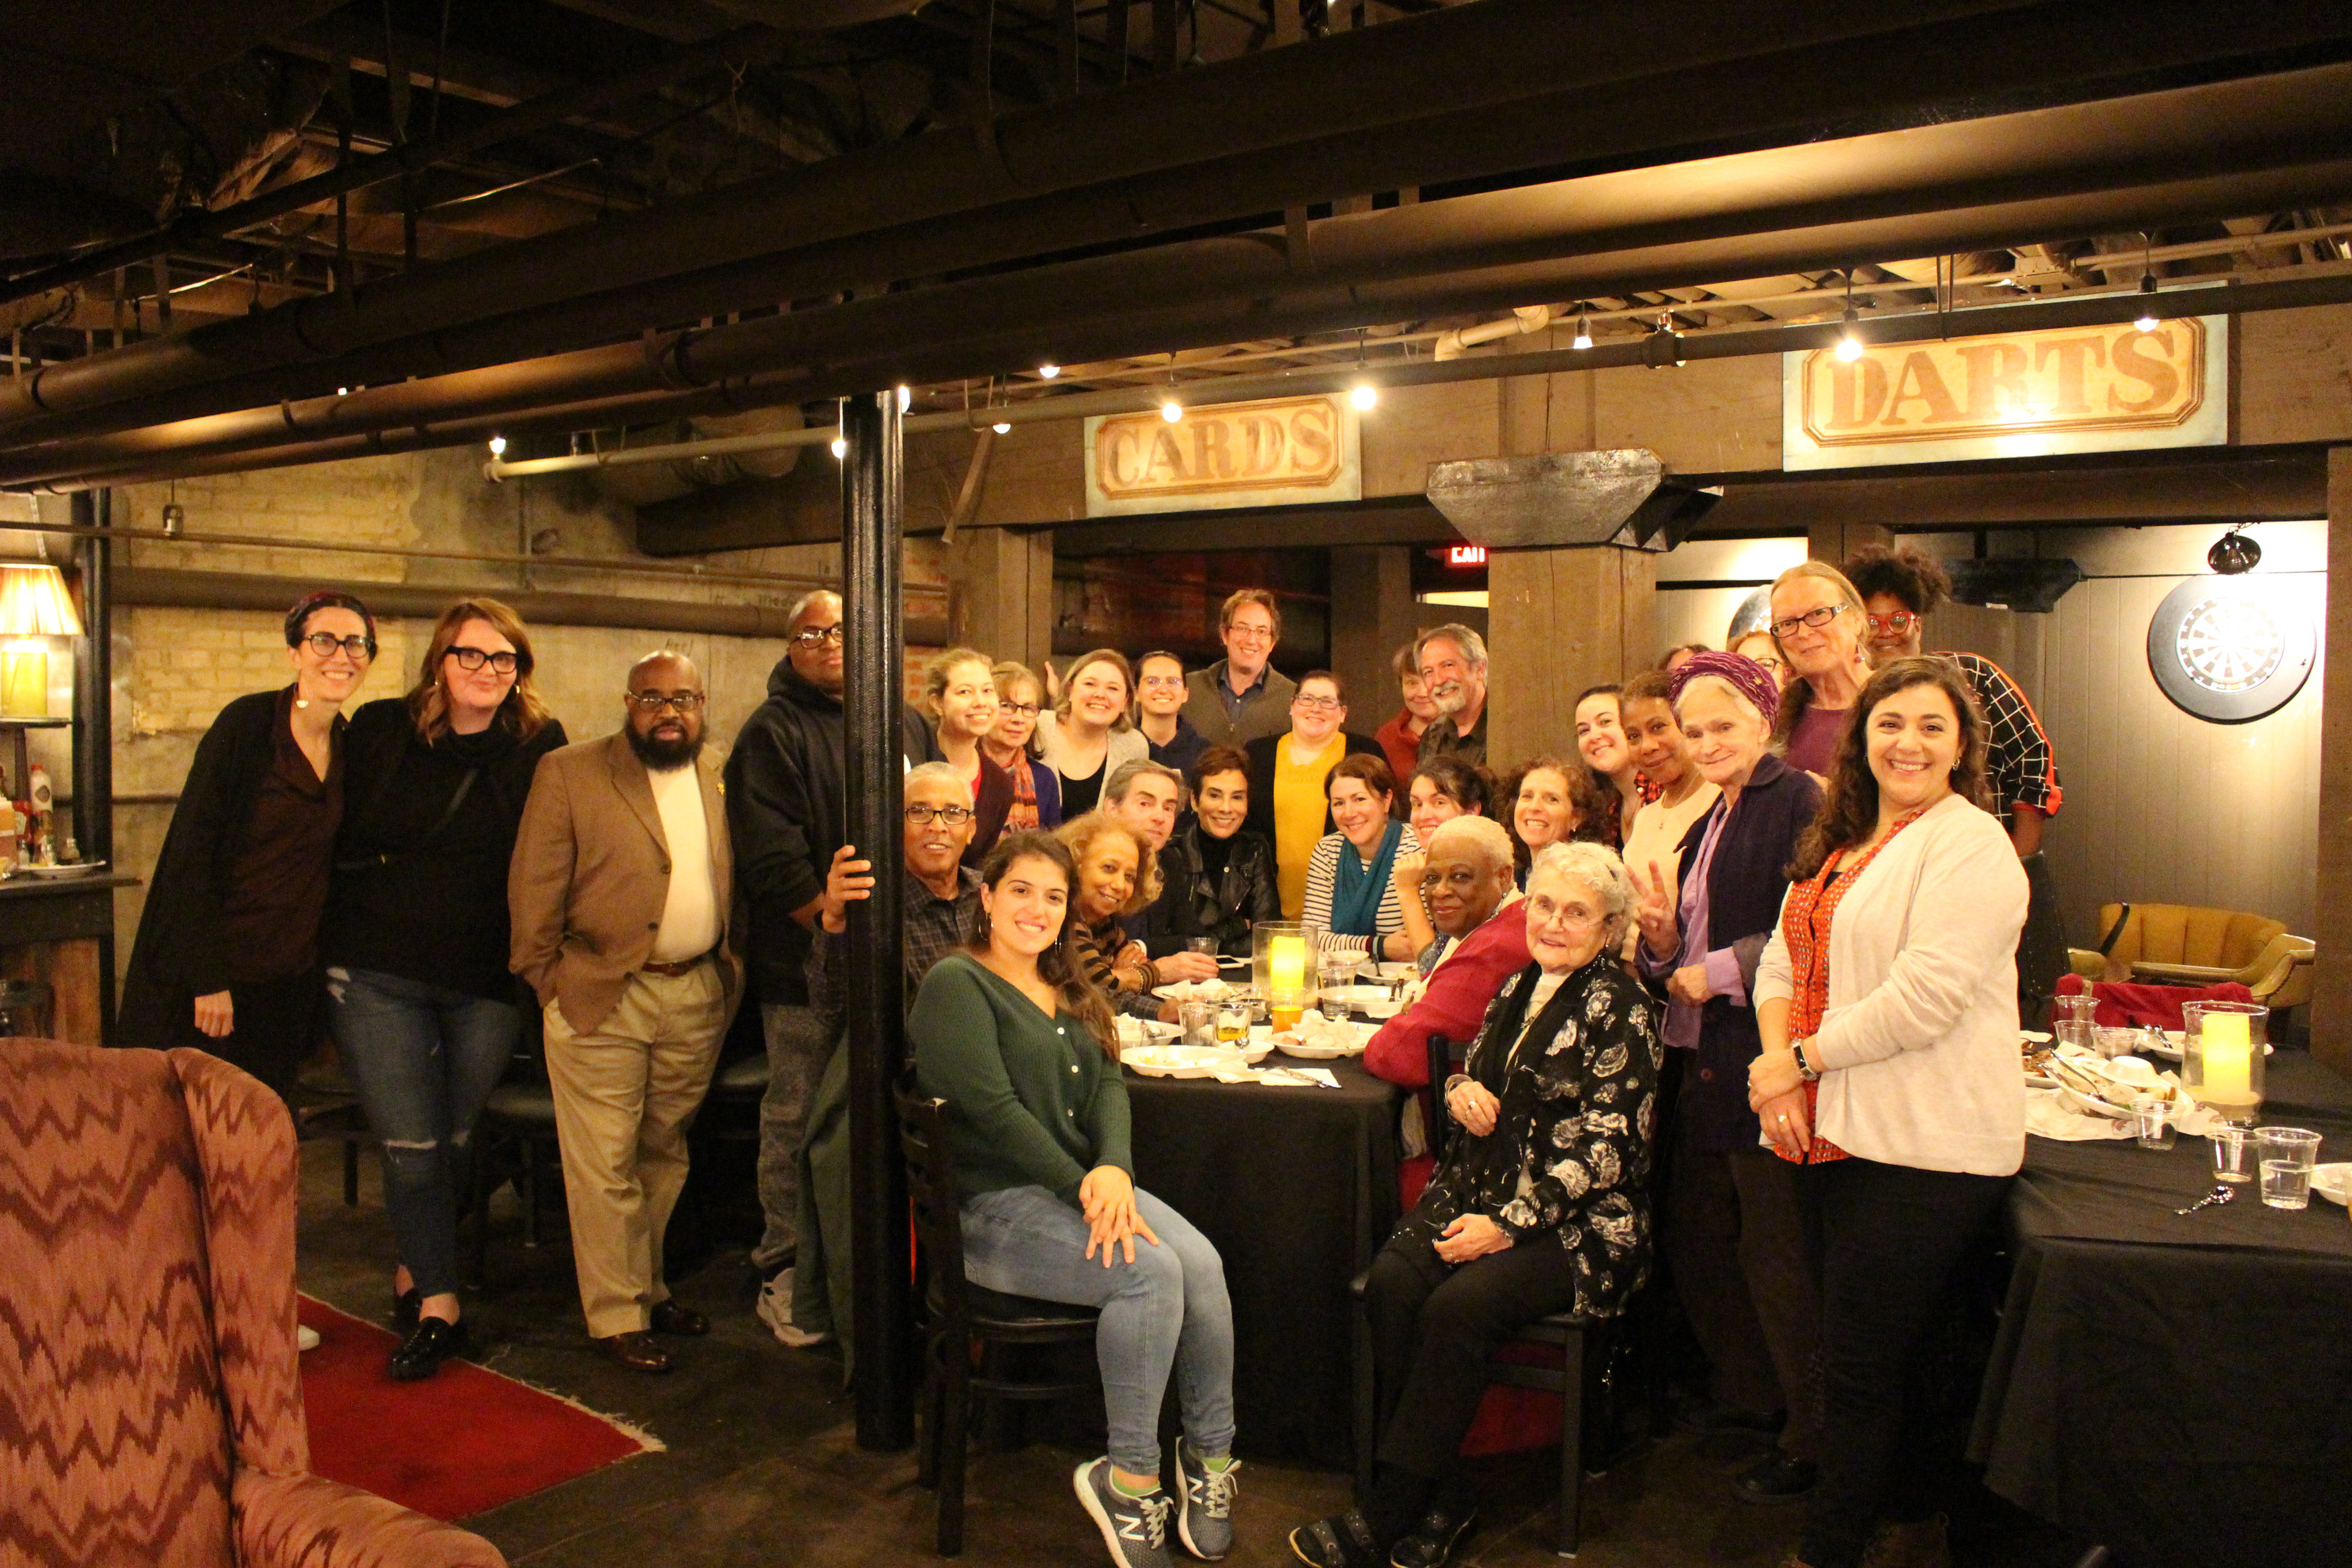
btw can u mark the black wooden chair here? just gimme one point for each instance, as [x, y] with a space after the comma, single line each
[958, 1318]
[515, 1139]
[1565, 1332]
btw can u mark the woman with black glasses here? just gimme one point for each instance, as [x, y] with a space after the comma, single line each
[1817, 625]
[226, 958]
[415, 938]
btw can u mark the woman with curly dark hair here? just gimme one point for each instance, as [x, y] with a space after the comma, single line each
[1539, 1204]
[1020, 1044]
[416, 937]
[1899, 586]
[1554, 800]
[1888, 1004]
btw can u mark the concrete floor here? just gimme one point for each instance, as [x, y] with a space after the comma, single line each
[761, 1466]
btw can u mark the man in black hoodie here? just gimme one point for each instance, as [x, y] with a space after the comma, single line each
[788, 811]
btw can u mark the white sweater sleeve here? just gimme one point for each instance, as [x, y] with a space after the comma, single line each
[1963, 918]
[1775, 977]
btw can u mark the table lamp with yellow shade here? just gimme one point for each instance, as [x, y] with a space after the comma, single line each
[33, 604]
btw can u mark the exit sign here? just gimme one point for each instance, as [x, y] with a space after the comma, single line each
[1466, 555]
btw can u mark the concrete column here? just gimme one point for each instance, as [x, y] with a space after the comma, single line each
[1373, 611]
[1559, 621]
[1833, 541]
[2331, 1010]
[1001, 592]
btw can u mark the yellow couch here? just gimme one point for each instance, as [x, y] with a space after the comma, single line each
[2186, 943]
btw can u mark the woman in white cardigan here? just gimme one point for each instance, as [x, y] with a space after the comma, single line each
[1887, 1002]
[1088, 736]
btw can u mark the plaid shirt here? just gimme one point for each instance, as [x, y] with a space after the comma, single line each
[933, 927]
[2020, 768]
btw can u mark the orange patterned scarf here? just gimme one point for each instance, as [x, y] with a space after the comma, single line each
[1805, 923]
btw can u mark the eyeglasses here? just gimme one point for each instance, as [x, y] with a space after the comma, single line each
[924, 816]
[817, 636]
[1543, 913]
[655, 701]
[1163, 683]
[326, 644]
[1899, 623]
[1250, 634]
[1026, 710]
[474, 658]
[1767, 661]
[1317, 704]
[1816, 618]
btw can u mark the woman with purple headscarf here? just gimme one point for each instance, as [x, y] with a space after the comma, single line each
[1730, 1220]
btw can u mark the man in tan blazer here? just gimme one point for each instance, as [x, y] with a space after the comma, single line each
[619, 893]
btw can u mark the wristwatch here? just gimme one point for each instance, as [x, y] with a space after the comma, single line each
[1805, 1069]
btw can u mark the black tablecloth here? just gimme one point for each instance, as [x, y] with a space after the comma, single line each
[1297, 1189]
[2179, 1388]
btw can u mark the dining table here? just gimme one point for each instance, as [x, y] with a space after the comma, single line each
[2177, 1387]
[1297, 1187]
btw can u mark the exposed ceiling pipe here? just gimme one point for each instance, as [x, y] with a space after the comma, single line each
[2121, 164]
[1524, 319]
[745, 46]
[1355, 82]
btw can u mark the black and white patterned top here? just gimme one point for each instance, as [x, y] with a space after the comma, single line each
[2020, 768]
[1568, 1161]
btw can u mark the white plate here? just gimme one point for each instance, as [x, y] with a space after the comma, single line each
[1359, 996]
[2091, 1105]
[1397, 971]
[1196, 989]
[62, 873]
[2333, 1183]
[1348, 1043]
[1146, 1031]
[1182, 1061]
[2172, 1049]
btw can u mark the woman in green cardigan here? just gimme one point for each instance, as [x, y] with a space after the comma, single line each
[1021, 1045]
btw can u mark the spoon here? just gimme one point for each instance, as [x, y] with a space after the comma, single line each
[2222, 1193]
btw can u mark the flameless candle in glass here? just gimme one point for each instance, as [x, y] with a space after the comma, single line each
[2222, 1056]
[1278, 950]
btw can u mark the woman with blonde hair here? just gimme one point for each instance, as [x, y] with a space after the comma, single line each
[416, 939]
[1817, 624]
[1090, 735]
[1012, 746]
[959, 689]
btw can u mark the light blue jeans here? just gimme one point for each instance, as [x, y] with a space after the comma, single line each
[1166, 1309]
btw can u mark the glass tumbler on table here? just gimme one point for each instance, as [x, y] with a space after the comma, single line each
[1232, 1024]
[2289, 1154]
[1199, 1020]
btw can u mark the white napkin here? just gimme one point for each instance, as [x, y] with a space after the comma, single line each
[2047, 1116]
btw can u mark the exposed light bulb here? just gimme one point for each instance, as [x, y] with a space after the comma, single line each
[2146, 321]
[1002, 429]
[906, 398]
[1849, 347]
[343, 392]
[1364, 395]
[1048, 371]
[1583, 338]
[497, 446]
[840, 447]
[1171, 411]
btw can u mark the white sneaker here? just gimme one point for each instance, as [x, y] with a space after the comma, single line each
[306, 1338]
[776, 1312]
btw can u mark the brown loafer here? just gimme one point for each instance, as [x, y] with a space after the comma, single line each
[636, 1351]
[670, 1318]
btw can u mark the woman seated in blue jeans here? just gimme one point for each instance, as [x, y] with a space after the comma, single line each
[414, 937]
[1021, 1045]
[1540, 1205]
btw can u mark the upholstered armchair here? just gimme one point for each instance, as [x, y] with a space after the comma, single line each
[2183, 944]
[150, 1405]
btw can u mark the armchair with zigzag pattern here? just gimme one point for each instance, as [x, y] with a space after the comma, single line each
[151, 1407]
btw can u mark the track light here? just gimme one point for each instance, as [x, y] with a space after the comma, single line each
[1583, 338]
[1849, 348]
[906, 398]
[497, 446]
[1364, 395]
[1048, 371]
[1002, 429]
[1171, 411]
[2233, 553]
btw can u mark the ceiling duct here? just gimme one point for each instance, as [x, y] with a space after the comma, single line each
[1618, 497]
[2030, 588]
[646, 484]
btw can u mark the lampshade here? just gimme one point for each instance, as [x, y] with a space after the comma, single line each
[34, 602]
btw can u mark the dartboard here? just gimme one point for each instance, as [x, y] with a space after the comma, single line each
[2230, 650]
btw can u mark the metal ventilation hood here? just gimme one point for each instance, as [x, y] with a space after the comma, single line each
[1618, 497]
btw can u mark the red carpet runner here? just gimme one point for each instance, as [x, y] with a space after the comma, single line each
[462, 1441]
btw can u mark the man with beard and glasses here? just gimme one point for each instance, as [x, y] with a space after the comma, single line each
[1454, 667]
[619, 893]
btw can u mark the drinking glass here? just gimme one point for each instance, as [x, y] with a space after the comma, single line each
[1204, 945]
[1200, 1022]
[2072, 1009]
[1232, 1024]
[2074, 1034]
[2288, 1157]
[2233, 1153]
[2153, 1114]
[1334, 1005]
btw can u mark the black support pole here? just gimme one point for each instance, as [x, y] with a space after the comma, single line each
[873, 518]
[93, 714]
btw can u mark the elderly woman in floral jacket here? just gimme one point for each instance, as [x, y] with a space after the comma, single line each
[1540, 1204]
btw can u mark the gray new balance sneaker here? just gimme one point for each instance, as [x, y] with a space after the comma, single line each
[1134, 1528]
[1204, 1504]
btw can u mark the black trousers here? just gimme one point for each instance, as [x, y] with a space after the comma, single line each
[274, 1022]
[1888, 1241]
[1434, 1328]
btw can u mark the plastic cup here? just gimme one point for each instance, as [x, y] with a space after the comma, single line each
[2289, 1154]
[2152, 1113]
[2233, 1153]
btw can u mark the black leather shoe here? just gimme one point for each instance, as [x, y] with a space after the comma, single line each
[1780, 1476]
[404, 1306]
[670, 1318]
[636, 1351]
[435, 1340]
[1432, 1540]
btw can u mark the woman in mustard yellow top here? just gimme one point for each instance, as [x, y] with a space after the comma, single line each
[1287, 801]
